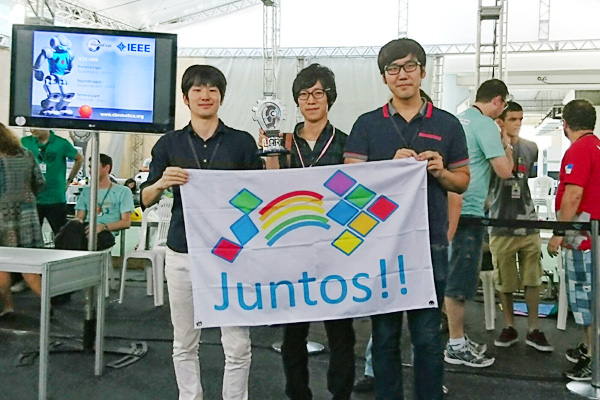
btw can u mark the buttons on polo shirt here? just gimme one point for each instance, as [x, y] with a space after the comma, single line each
[204, 146]
[205, 160]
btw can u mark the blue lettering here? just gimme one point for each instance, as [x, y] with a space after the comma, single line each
[138, 47]
[324, 289]
[225, 293]
[257, 304]
[359, 286]
[305, 281]
[274, 287]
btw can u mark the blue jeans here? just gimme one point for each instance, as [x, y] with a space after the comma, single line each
[426, 338]
[465, 262]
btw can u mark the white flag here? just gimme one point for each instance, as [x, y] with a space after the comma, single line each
[313, 244]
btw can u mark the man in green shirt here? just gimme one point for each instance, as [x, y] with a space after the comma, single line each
[51, 152]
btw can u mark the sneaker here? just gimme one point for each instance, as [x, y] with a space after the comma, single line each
[573, 355]
[537, 340]
[365, 385]
[476, 347]
[19, 287]
[507, 337]
[466, 356]
[582, 371]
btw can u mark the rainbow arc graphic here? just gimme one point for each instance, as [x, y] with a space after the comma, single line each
[292, 211]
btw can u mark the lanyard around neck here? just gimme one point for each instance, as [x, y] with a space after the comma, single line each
[320, 155]
[212, 157]
[105, 196]
[400, 131]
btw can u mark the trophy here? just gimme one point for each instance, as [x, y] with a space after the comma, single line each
[269, 114]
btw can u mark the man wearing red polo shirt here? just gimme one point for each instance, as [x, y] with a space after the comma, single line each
[578, 199]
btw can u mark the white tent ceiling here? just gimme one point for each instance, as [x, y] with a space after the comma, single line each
[538, 77]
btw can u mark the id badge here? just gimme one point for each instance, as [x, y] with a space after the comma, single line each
[43, 167]
[515, 190]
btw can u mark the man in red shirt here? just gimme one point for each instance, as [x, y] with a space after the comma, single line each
[578, 199]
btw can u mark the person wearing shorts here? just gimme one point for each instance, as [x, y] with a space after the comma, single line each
[578, 199]
[511, 199]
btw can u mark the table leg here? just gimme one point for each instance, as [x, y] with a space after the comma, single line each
[44, 334]
[99, 365]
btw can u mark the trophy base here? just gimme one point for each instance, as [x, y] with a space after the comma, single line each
[272, 151]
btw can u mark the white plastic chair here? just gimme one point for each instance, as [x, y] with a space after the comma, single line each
[543, 195]
[154, 274]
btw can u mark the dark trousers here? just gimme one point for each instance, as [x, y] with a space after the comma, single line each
[426, 338]
[340, 374]
[56, 214]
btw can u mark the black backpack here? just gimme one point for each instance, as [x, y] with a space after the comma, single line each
[72, 237]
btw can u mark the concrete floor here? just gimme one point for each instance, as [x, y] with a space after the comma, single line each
[520, 372]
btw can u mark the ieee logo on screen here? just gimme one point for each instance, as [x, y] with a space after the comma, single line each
[134, 47]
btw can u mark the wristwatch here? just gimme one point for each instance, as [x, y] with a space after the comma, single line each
[508, 146]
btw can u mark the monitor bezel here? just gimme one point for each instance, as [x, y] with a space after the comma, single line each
[164, 82]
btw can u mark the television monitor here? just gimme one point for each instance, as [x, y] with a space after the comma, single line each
[92, 79]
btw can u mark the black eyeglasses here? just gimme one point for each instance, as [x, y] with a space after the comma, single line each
[394, 69]
[317, 94]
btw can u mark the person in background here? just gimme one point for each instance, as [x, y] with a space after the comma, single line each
[316, 142]
[578, 199]
[511, 199]
[20, 181]
[132, 185]
[115, 202]
[51, 152]
[488, 152]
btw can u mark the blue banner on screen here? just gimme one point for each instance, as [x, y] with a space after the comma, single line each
[93, 76]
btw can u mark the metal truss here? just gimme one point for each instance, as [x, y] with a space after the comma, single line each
[137, 155]
[271, 18]
[69, 12]
[438, 80]
[78, 15]
[365, 52]
[4, 41]
[544, 24]
[213, 12]
[290, 52]
[402, 18]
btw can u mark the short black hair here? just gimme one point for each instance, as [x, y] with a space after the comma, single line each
[490, 89]
[579, 115]
[400, 48]
[309, 77]
[203, 75]
[511, 106]
[106, 160]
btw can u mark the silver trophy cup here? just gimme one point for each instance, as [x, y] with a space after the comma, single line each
[269, 114]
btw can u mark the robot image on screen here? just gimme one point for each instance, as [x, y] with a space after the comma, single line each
[60, 63]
